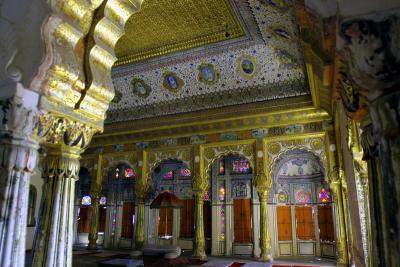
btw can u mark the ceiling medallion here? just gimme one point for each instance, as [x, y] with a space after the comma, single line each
[117, 97]
[172, 82]
[140, 88]
[208, 74]
[247, 66]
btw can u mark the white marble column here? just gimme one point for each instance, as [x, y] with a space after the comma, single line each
[55, 229]
[18, 157]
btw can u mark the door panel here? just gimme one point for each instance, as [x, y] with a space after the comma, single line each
[242, 220]
[284, 219]
[304, 223]
[128, 210]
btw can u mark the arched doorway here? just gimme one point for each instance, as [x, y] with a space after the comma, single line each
[232, 193]
[120, 191]
[304, 223]
[167, 225]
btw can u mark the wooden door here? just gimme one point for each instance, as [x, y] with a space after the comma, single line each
[284, 221]
[325, 223]
[102, 219]
[242, 220]
[85, 218]
[207, 218]
[128, 210]
[187, 218]
[304, 223]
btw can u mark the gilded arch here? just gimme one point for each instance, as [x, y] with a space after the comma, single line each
[212, 153]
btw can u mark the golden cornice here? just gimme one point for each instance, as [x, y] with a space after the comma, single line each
[163, 27]
[239, 123]
[211, 115]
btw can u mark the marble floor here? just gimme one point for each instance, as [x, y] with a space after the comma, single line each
[87, 258]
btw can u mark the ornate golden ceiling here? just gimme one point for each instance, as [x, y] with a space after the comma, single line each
[164, 26]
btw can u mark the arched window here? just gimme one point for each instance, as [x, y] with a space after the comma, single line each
[31, 206]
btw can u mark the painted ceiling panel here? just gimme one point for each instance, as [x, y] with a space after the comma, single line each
[262, 65]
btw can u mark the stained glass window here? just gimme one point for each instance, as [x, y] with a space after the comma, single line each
[86, 201]
[206, 196]
[221, 196]
[303, 197]
[129, 172]
[103, 201]
[240, 166]
[169, 175]
[117, 173]
[323, 195]
[221, 167]
[185, 173]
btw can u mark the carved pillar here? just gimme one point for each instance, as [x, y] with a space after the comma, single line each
[263, 186]
[18, 157]
[199, 187]
[93, 232]
[371, 49]
[199, 240]
[141, 188]
[139, 229]
[341, 242]
[95, 194]
[55, 229]
[64, 141]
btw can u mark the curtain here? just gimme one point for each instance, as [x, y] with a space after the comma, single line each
[304, 223]
[187, 218]
[85, 218]
[165, 220]
[284, 220]
[325, 222]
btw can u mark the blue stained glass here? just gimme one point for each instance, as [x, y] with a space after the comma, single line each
[86, 201]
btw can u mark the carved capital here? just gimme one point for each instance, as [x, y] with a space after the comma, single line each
[19, 113]
[61, 162]
[57, 130]
[263, 185]
[199, 185]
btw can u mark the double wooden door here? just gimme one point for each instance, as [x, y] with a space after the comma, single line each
[305, 230]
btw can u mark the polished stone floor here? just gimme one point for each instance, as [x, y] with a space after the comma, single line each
[85, 258]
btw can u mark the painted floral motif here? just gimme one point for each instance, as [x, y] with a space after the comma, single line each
[281, 197]
[208, 74]
[140, 88]
[172, 82]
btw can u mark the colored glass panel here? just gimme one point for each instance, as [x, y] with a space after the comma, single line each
[103, 201]
[323, 195]
[303, 197]
[86, 201]
[221, 196]
[185, 172]
[117, 173]
[169, 175]
[240, 166]
[129, 172]
[221, 167]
